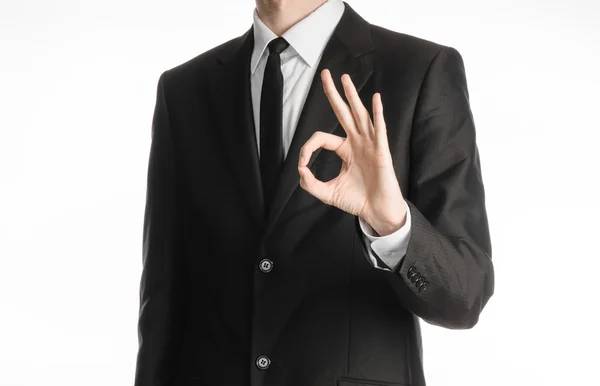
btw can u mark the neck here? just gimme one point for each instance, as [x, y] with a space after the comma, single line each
[281, 15]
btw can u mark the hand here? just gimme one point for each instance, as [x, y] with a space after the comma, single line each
[367, 185]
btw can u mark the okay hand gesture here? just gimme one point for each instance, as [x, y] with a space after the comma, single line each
[367, 185]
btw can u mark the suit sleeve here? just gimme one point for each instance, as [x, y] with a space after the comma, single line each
[159, 323]
[447, 275]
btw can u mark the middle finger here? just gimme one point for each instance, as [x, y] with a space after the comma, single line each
[359, 111]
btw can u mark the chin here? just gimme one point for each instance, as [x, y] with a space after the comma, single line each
[276, 4]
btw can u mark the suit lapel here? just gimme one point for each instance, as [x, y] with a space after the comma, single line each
[232, 106]
[347, 52]
[344, 54]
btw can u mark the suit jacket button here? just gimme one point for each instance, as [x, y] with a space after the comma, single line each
[411, 271]
[263, 362]
[423, 286]
[265, 265]
[415, 277]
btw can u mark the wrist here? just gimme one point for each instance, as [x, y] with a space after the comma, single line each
[387, 225]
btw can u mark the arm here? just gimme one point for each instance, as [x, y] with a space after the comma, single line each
[159, 324]
[446, 276]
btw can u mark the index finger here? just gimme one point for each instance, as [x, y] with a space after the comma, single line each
[317, 140]
[340, 108]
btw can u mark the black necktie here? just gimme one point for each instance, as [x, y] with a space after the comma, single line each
[271, 119]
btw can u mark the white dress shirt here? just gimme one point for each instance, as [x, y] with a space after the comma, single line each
[299, 61]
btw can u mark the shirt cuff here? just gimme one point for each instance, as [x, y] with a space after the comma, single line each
[390, 248]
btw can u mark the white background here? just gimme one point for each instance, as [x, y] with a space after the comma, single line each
[77, 91]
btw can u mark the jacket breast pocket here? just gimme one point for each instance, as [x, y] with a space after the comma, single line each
[346, 381]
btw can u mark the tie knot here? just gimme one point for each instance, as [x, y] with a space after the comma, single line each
[277, 45]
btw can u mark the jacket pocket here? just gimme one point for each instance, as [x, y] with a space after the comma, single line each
[347, 381]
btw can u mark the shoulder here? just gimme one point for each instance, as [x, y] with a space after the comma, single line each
[199, 68]
[398, 46]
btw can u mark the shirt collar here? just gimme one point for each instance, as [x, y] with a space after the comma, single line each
[308, 37]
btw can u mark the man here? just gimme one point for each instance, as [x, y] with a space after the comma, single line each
[291, 240]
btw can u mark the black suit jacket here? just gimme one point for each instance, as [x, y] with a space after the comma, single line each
[322, 315]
